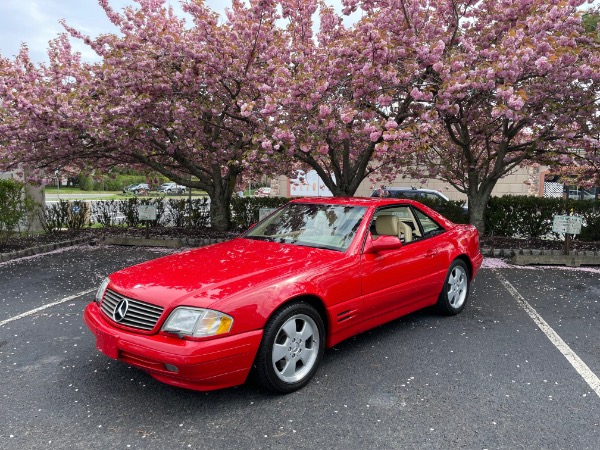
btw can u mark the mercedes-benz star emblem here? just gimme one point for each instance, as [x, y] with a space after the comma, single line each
[121, 310]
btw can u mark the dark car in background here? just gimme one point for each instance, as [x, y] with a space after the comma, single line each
[456, 211]
[412, 193]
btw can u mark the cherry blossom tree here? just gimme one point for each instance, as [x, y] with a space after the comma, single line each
[343, 103]
[180, 100]
[461, 90]
[583, 168]
[41, 114]
[516, 81]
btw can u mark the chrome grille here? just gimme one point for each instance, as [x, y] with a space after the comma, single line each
[139, 314]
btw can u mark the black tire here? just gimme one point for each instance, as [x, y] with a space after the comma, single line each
[455, 292]
[291, 349]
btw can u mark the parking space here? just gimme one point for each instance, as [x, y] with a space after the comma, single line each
[488, 378]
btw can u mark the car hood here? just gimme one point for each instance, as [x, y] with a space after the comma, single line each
[206, 275]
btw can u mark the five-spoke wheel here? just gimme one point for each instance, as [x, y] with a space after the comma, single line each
[291, 349]
[454, 294]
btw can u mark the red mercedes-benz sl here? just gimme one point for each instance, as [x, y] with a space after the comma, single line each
[310, 275]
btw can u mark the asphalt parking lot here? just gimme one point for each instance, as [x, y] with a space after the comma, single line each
[518, 368]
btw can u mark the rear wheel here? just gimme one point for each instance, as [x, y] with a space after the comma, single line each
[455, 292]
[292, 348]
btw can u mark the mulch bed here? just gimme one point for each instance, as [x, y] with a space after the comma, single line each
[95, 234]
[16, 243]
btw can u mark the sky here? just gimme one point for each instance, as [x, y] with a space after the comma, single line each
[36, 22]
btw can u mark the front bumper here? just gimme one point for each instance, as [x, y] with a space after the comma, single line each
[201, 365]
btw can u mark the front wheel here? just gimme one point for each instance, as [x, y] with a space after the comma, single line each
[454, 294]
[292, 348]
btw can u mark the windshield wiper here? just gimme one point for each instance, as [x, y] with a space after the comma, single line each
[260, 238]
[320, 247]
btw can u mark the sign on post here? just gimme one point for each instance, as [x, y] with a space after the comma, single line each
[567, 224]
[147, 212]
[264, 212]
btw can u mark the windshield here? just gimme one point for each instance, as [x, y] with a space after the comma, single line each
[313, 225]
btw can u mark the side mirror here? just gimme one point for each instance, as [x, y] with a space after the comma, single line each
[384, 243]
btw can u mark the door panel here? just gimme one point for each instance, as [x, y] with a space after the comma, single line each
[411, 275]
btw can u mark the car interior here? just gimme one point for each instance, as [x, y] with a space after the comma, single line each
[396, 221]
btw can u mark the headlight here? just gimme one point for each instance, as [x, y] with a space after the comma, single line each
[196, 322]
[102, 289]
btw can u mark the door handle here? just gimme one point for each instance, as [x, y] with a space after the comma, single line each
[431, 252]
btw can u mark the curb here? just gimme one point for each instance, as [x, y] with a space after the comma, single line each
[166, 242]
[142, 242]
[525, 257]
[571, 260]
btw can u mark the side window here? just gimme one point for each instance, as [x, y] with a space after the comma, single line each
[429, 226]
[397, 221]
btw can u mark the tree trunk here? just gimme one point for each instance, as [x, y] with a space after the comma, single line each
[479, 197]
[220, 214]
[477, 214]
[220, 197]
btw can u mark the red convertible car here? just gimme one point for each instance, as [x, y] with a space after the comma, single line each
[312, 274]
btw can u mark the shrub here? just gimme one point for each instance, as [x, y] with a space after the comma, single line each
[106, 212]
[86, 183]
[591, 232]
[176, 211]
[181, 212]
[130, 212]
[65, 214]
[198, 213]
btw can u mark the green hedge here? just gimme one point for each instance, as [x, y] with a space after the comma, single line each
[177, 212]
[452, 209]
[512, 216]
[532, 217]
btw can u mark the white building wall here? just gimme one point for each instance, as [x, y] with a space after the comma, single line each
[522, 181]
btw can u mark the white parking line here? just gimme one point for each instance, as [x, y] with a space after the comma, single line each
[49, 305]
[589, 377]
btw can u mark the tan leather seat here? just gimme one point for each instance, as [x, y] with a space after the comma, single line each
[407, 230]
[387, 225]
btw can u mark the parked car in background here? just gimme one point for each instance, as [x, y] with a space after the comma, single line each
[171, 188]
[413, 193]
[311, 274]
[409, 192]
[583, 194]
[263, 192]
[138, 188]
